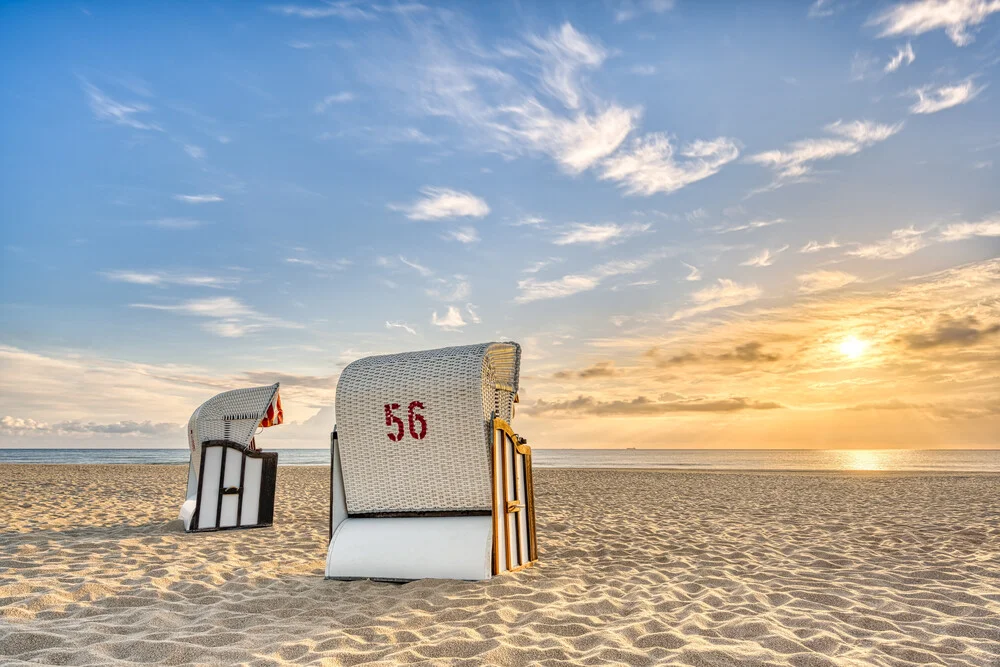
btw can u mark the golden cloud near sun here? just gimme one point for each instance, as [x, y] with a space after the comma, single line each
[853, 347]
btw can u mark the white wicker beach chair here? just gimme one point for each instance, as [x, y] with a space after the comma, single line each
[230, 483]
[427, 478]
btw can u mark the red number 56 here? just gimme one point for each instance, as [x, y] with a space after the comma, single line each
[412, 416]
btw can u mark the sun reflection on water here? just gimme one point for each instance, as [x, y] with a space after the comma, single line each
[864, 459]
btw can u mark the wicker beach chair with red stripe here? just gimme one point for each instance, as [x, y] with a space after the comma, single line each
[230, 482]
[428, 479]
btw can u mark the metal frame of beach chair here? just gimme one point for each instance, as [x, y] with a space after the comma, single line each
[427, 477]
[230, 484]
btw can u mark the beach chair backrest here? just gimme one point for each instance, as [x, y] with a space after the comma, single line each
[415, 429]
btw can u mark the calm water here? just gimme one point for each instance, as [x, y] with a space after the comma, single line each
[678, 459]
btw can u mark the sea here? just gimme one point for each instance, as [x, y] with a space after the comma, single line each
[804, 460]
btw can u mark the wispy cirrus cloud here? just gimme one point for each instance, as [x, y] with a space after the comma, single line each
[955, 17]
[824, 281]
[419, 268]
[163, 279]
[795, 163]
[900, 243]
[765, 257]
[126, 114]
[228, 316]
[648, 164]
[529, 221]
[537, 290]
[443, 204]
[199, 199]
[694, 272]
[351, 11]
[724, 294]
[464, 235]
[960, 231]
[599, 234]
[342, 97]
[745, 226]
[904, 56]
[816, 246]
[932, 99]
[400, 325]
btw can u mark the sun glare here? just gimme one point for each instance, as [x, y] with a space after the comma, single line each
[852, 347]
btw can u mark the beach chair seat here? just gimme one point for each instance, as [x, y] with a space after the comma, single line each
[428, 479]
[231, 483]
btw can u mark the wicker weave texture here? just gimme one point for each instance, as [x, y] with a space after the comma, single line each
[233, 415]
[448, 469]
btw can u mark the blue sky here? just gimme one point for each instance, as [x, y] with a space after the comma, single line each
[679, 209]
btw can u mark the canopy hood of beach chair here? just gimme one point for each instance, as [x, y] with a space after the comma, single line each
[235, 415]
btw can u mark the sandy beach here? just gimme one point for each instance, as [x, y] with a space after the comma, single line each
[637, 568]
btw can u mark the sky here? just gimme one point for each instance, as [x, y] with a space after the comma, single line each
[715, 225]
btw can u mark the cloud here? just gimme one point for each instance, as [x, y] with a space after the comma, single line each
[648, 165]
[794, 164]
[452, 319]
[537, 290]
[563, 53]
[955, 17]
[342, 10]
[198, 199]
[320, 265]
[823, 281]
[229, 317]
[695, 273]
[16, 426]
[419, 268]
[602, 369]
[932, 100]
[162, 279]
[764, 258]
[337, 98]
[951, 332]
[105, 108]
[643, 70]
[816, 246]
[576, 143]
[821, 9]
[541, 264]
[400, 325]
[966, 230]
[901, 242]
[644, 407]
[599, 234]
[470, 309]
[462, 235]
[904, 56]
[529, 220]
[754, 224]
[451, 76]
[174, 223]
[443, 204]
[196, 152]
[725, 294]
[629, 9]
[750, 352]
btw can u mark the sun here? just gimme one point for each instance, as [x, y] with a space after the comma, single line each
[852, 347]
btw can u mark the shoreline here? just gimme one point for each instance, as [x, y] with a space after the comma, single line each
[703, 471]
